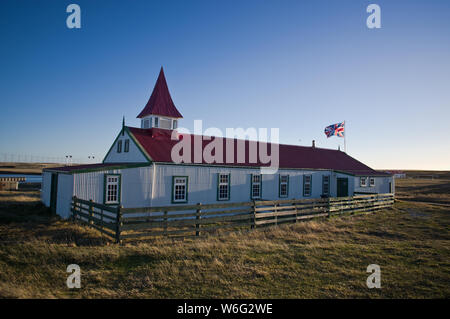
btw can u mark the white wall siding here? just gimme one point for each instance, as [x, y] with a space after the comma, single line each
[135, 189]
[202, 185]
[46, 188]
[64, 195]
[133, 156]
[381, 185]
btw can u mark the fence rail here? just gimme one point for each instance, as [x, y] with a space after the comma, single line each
[121, 223]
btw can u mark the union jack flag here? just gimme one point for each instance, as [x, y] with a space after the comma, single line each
[335, 129]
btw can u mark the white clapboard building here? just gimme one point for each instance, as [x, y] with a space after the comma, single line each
[138, 170]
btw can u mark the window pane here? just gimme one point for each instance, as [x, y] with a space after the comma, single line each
[180, 189]
[223, 192]
[283, 190]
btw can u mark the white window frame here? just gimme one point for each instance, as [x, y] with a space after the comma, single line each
[126, 146]
[119, 146]
[371, 181]
[223, 184]
[363, 181]
[257, 183]
[179, 181]
[285, 183]
[156, 122]
[112, 189]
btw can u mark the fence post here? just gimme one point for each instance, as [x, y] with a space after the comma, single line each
[296, 210]
[276, 214]
[74, 198]
[197, 217]
[253, 226]
[118, 224]
[165, 223]
[329, 207]
[101, 218]
[91, 212]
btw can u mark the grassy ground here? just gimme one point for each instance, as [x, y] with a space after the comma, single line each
[25, 168]
[316, 259]
[423, 190]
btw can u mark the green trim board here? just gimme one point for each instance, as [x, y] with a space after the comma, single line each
[323, 184]
[143, 151]
[138, 145]
[279, 186]
[53, 201]
[218, 187]
[310, 185]
[173, 190]
[259, 168]
[119, 189]
[110, 149]
[102, 168]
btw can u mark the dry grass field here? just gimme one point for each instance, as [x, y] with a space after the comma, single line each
[324, 258]
[24, 168]
[423, 190]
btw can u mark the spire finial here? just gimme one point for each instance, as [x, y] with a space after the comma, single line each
[123, 125]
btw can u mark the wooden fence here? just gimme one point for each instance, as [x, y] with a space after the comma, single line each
[193, 220]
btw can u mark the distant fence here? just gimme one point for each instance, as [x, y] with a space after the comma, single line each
[10, 183]
[193, 220]
[32, 158]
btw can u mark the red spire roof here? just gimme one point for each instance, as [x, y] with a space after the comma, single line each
[160, 102]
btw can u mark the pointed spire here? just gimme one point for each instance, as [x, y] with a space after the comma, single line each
[160, 102]
[123, 125]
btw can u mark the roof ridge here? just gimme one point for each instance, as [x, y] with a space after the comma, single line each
[247, 140]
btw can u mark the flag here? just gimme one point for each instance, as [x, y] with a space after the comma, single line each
[335, 129]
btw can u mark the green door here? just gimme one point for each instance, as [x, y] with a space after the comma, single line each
[342, 187]
[53, 192]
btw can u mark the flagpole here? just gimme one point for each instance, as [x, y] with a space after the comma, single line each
[345, 138]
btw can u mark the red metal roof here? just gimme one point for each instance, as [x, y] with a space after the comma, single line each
[160, 102]
[158, 145]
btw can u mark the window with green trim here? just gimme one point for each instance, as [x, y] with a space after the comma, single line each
[179, 189]
[326, 185]
[256, 187]
[112, 189]
[223, 186]
[307, 185]
[126, 147]
[283, 187]
[119, 146]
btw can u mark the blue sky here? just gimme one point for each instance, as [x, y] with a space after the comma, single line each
[295, 65]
